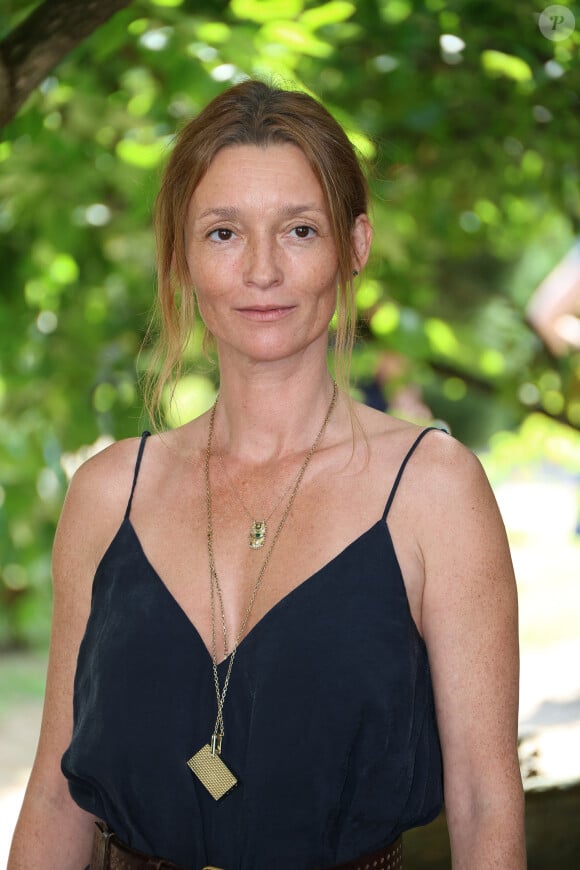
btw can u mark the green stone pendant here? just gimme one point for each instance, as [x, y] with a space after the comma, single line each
[257, 534]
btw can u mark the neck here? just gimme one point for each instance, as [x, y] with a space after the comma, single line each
[271, 414]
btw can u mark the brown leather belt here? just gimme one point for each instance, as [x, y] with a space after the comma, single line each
[109, 853]
[388, 858]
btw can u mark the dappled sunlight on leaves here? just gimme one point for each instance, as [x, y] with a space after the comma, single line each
[497, 63]
[193, 395]
[468, 124]
[263, 11]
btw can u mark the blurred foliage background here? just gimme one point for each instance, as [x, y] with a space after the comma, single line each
[469, 118]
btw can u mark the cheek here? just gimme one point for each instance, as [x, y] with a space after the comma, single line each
[213, 291]
[212, 275]
[211, 280]
[208, 312]
[326, 281]
[206, 303]
[325, 298]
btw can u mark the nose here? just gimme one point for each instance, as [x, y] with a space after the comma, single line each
[262, 266]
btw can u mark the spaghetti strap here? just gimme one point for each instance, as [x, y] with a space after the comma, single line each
[410, 452]
[144, 437]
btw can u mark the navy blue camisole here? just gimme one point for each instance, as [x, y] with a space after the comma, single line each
[329, 720]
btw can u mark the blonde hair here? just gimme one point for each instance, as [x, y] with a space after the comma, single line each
[250, 113]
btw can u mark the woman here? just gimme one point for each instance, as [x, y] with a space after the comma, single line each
[270, 675]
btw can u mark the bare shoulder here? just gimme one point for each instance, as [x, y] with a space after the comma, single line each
[95, 502]
[443, 477]
[451, 504]
[439, 451]
[452, 476]
[99, 491]
[447, 463]
[104, 480]
[444, 467]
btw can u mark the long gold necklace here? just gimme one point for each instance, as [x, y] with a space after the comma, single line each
[207, 764]
[258, 528]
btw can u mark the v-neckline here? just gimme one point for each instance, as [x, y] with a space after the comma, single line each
[282, 602]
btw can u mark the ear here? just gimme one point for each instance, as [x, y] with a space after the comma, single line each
[361, 237]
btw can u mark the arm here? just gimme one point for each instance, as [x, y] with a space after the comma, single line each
[469, 618]
[52, 831]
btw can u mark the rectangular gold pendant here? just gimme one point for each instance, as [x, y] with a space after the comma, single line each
[213, 774]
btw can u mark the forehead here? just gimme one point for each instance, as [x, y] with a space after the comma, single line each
[278, 171]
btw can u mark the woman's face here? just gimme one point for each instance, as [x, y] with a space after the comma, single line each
[261, 254]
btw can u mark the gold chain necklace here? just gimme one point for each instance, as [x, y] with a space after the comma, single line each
[258, 528]
[206, 764]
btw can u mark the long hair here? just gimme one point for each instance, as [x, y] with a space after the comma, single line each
[250, 113]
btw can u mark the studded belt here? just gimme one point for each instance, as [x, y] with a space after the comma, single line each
[388, 858]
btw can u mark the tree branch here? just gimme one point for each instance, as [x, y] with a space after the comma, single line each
[41, 41]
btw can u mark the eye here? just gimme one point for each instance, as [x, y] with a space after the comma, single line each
[303, 232]
[221, 234]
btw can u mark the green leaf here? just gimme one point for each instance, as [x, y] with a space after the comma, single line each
[362, 143]
[385, 319]
[296, 37]
[263, 11]
[368, 294]
[492, 362]
[145, 156]
[395, 11]
[496, 63]
[64, 269]
[441, 337]
[334, 12]
[214, 32]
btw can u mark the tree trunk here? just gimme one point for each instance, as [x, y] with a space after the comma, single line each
[41, 41]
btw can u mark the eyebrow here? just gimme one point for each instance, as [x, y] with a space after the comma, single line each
[287, 211]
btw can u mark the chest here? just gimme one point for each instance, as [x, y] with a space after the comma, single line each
[305, 530]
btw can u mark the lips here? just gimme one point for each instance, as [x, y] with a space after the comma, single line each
[265, 313]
